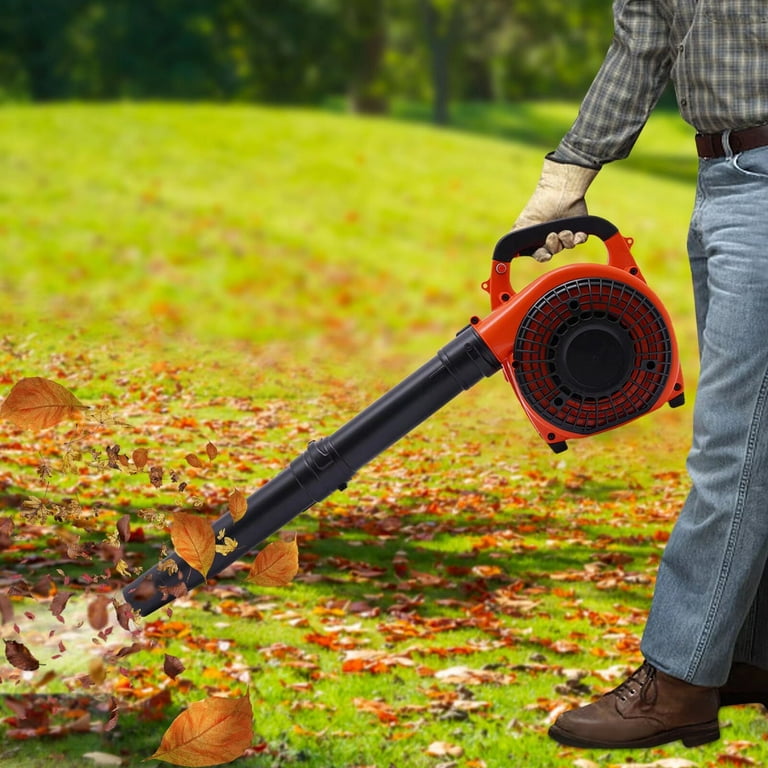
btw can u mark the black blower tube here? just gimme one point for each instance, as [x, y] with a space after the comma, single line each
[329, 463]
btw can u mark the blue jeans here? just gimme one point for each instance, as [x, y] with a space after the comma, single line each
[710, 605]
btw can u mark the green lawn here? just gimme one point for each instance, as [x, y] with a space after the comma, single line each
[254, 277]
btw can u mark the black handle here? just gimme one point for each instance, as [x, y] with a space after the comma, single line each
[523, 242]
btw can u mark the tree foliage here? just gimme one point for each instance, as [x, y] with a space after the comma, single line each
[300, 51]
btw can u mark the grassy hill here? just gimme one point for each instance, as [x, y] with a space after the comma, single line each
[254, 224]
[255, 276]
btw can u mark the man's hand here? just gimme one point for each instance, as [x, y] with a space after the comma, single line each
[559, 194]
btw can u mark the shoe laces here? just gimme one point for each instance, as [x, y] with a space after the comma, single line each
[640, 681]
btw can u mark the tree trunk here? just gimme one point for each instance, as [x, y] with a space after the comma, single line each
[367, 93]
[441, 31]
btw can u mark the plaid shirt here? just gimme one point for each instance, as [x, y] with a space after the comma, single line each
[715, 52]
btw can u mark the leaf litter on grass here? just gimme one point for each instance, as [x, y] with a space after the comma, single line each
[428, 564]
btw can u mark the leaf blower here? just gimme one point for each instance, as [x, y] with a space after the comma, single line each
[586, 347]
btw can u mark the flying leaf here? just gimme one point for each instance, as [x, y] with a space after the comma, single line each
[37, 403]
[124, 528]
[98, 614]
[6, 609]
[59, 602]
[172, 666]
[20, 656]
[194, 540]
[194, 461]
[276, 564]
[211, 450]
[238, 505]
[209, 732]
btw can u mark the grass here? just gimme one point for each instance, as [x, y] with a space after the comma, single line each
[256, 276]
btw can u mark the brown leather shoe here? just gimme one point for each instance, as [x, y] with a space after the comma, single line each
[746, 685]
[648, 709]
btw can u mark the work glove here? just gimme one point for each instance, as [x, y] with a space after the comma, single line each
[559, 194]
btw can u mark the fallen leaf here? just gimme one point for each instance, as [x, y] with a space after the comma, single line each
[37, 403]
[238, 505]
[140, 458]
[209, 732]
[276, 565]
[444, 749]
[728, 758]
[20, 656]
[103, 758]
[667, 762]
[194, 541]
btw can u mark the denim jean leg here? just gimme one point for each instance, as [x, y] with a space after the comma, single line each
[710, 574]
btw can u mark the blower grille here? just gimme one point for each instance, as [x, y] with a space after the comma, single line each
[592, 353]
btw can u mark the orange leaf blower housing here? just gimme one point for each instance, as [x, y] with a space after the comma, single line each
[586, 347]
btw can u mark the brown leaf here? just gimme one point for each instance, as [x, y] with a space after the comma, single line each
[20, 656]
[98, 615]
[124, 528]
[172, 666]
[97, 671]
[59, 602]
[140, 458]
[276, 565]
[6, 532]
[194, 461]
[209, 732]
[211, 450]
[238, 505]
[6, 608]
[156, 476]
[124, 613]
[194, 540]
[37, 403]
[444, 749]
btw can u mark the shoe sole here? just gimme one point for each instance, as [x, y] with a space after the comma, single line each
[690, 735]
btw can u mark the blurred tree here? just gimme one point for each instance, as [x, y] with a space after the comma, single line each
[301, 51]
[441, 23]
[34, 53]
[365, 23]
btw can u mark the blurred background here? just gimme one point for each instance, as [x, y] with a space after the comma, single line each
[375, 55]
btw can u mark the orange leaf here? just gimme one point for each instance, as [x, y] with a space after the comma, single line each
[194, 541]
[238, 505]
[276, 564]
[140, 457]
[209, 732]
[37, 403]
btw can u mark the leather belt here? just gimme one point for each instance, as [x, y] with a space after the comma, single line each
[710, 145]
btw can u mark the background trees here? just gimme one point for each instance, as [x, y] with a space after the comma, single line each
[371, 52]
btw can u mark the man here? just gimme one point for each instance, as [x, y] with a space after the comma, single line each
[706, 639]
